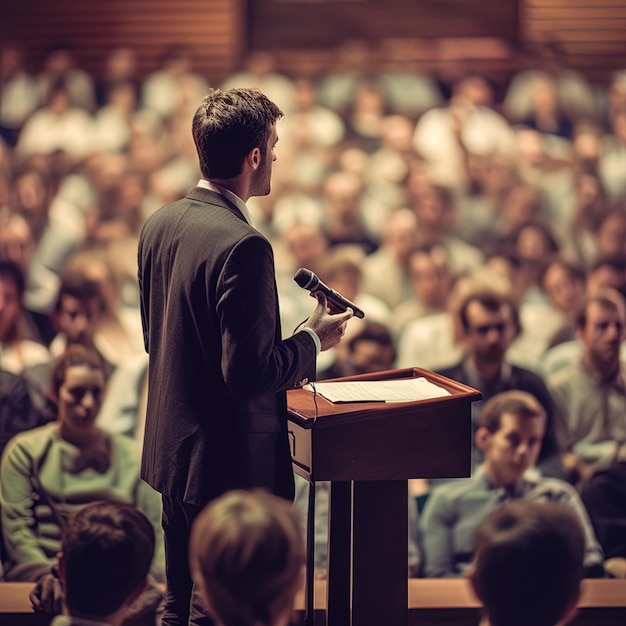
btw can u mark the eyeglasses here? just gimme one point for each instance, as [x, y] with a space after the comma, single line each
[485, 328]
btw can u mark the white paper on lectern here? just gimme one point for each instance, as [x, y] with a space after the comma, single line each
[397, 390]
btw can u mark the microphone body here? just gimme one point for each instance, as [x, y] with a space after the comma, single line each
[309, 281]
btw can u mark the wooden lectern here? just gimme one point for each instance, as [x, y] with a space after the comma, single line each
[368, 451]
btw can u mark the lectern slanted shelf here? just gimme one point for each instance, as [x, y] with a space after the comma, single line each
[368, 451]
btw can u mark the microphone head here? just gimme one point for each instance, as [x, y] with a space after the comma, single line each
[306, 279]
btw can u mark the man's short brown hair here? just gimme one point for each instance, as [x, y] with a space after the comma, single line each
[515, 402]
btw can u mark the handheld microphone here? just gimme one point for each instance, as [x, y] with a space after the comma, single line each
[309, 281]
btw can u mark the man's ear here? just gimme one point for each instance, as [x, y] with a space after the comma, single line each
[254, 158]
[482, 438]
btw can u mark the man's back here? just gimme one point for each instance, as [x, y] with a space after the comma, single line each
[207, 286]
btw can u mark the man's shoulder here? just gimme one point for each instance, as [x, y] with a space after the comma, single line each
[450, 493]
[570, 376]
[188, 215]
[527, 380]
[552, 489]
[456, 372]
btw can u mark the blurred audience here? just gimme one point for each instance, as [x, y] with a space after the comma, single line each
[590, 392]
[401, 196]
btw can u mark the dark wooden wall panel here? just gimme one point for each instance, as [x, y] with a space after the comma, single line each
[279, 24]
[213, 28]
[591, 33]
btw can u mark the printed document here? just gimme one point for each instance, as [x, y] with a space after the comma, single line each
[397, 390]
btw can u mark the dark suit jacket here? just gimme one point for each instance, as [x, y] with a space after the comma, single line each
[218, 373]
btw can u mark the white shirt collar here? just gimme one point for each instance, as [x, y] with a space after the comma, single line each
[234, 198]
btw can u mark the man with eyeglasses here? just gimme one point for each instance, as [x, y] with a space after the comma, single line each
[487, 323]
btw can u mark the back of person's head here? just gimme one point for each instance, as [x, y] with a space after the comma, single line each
[228, 125]
[528, 563]
[515, 402]
[247, 554]
[107, 549]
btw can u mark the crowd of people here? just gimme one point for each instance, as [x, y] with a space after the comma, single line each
[483, 236]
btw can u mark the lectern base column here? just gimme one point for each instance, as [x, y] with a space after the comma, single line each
[368, 552]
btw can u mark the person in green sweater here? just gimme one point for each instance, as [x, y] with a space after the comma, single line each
[49, 473]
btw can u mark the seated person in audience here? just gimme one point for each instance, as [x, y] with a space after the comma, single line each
[343, 218]
[385, 272]
[513, 424]
[247, 555]
[79, 305]
[564, 285]
[608, 271]
[17, 244]
[528, 564]
[342, 270]
[437, 212]
[589, 393]
[18, 353]
[49, 473]
[432, 341]
[88, 310]
[611, 232]
[431, 280]
[103, 565]
[604, 497]
[370, 347]
[17, 412]
[488, 323]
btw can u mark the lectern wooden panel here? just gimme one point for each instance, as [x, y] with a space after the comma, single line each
[368, 450]
[383, 441]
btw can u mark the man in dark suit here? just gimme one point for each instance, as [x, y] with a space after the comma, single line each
[217, 411]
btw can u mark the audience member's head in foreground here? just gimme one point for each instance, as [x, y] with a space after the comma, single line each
[107, 550]
[247, 555]
[528, 564]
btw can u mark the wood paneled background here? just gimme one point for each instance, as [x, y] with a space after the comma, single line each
[213, 28]
[590, 32]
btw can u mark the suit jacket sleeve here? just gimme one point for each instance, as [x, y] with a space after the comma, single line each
[253, 361]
